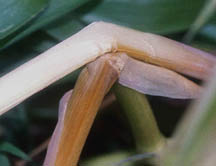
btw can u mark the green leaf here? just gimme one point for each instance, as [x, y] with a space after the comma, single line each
[207, 12]
[95, 11]
[56, 9]
[157, 16]
[65, 27]
[9, 148]
[16, 13]
[209, 31]
[4, 160]
[18, 54]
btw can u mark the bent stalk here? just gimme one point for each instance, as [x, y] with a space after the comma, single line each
[91, 42]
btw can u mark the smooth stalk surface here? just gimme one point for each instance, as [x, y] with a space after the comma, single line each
[141, 119]
[92, 85]
[194, 139]
[88, 44]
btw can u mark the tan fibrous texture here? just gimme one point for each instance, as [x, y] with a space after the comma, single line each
[93, 83]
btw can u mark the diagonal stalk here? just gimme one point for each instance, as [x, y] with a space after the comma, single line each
[143, 124]
[194, 139]
[92, 85]
[204, 16]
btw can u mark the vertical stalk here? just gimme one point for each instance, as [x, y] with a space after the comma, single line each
[92, 85]
[194, 140]
[143, 124]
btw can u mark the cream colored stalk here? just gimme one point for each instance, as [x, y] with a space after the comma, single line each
[95, 40]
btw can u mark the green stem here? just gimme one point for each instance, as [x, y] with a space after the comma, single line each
[110, 159]
[206, 13]
[143, 124]
[194, 141]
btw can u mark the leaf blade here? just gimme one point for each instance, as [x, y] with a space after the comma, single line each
[56, 9]
[16, 13]
[145, 15]
[9, 148]
[4, 160]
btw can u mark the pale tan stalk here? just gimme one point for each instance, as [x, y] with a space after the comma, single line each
[95, 40]
[93, 83]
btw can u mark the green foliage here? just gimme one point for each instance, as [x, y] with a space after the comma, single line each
[65, 27]
[55, 9]
[209, 32]
[146, 15]
[30, 27]
[17, 13]
[4, 160]
[6, 147]
[195, 136]
[156, 16]
[11, 149]
[207, 12]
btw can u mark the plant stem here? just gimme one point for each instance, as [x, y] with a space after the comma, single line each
[194, 139]
[93, 41]
[110, 159]
[143, 124]
[204, 16]
[90, 89]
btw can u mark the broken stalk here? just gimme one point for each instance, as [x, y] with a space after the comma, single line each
[77, 113]
[88, 44]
